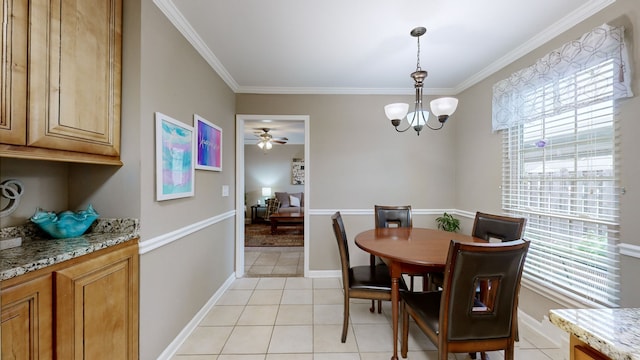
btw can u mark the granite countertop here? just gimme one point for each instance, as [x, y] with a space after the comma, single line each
[38, 251]
[613, 332]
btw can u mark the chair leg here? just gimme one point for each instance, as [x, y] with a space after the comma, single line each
[508, 352]
[373, 306]
[472, 355]
[484, 356]
[404, 347]
[345, 321]
[379, 306]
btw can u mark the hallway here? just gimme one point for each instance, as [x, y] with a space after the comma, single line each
[274, 261]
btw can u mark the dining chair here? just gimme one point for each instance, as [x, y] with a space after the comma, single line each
[493, 227]
[489, 227]
[503, 228]
[453, 318]
[388, 216]
[359, 282]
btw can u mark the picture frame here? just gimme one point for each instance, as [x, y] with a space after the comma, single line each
[208, 144]
[297, 172]
[175, 172]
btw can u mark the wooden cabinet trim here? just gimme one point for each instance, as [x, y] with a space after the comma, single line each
[27, 313]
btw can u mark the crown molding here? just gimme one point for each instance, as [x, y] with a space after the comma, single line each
[177, 19]
[580, 14]
[341, 91]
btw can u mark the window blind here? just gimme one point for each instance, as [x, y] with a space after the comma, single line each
[560, 172]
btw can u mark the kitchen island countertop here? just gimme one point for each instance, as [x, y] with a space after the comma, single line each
[613, 332]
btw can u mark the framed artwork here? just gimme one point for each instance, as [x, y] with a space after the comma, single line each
[174, 158]
[208, 144]
[297, 172]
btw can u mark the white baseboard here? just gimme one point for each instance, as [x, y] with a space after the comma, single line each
[543, 332]
[325, 274]
[171, 350]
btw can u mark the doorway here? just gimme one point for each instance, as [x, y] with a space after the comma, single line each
[249, 131]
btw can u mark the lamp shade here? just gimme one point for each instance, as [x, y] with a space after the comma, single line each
[421, 119]
[396, 110]
[266, 191]
[444, 106]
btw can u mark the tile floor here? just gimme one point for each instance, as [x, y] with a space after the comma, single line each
[296, 318]
[274, 261]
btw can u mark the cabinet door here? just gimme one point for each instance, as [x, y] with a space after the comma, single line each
[97, 307]
[13, 72]
[75, 75]
[26, 320]
[582, 351]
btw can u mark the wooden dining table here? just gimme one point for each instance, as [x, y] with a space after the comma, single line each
[408, 251]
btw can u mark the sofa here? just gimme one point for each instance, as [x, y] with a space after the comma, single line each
[289, 205]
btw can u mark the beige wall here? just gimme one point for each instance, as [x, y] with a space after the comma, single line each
[161, 72]
[44, 183]
[478, 161]
[177, 279]
[357, 160]
[271, 168]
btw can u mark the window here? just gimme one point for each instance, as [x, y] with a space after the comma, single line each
[560, 171]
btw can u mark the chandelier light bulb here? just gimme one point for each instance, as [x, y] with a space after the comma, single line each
[421, 118]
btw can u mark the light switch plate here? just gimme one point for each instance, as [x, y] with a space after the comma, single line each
[225, 190]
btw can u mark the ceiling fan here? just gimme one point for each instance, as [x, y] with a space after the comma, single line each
[266, 140]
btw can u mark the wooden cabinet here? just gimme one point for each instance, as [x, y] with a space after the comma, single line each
[27, 331]
[97, 308]
[63, 100]
[13, 72]
[582, 351]
[95, 298]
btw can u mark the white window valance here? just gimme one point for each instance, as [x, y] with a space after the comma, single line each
[519, 98]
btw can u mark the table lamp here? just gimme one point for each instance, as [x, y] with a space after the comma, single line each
[266, 192]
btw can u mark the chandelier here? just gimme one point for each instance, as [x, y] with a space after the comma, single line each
[442, 108]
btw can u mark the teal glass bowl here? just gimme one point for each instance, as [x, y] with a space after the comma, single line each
[66, 224]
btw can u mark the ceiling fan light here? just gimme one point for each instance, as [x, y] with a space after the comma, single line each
[396, 110]
[444, 106]
[268, 145]
[261, 144]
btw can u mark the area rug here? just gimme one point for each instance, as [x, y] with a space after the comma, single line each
[260, 235]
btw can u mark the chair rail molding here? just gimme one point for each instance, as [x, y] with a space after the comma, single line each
[629, 250]
[167, 238]
[330, 212]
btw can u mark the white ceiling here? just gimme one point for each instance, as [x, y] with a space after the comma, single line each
[364, 46]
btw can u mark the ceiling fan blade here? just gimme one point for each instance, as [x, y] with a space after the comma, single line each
[279, 141]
